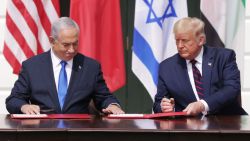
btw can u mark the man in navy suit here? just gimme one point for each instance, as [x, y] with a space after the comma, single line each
[198, 79]
[36, 90]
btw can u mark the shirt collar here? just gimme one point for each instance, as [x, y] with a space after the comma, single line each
[56, 61]
[198, 58]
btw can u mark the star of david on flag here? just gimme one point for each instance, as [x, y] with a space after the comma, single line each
[152, 17]
[153, 39]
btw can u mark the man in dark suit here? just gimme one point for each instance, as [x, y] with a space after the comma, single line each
[198, 79]
[61, 80]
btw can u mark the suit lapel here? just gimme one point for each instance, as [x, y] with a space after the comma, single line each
[207, 65]
[49, 73]
[77, 71]
[185, 82]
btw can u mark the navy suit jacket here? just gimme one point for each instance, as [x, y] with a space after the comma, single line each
[221, 80]
[36, 85]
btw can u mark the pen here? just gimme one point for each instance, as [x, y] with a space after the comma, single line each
[46, 110]
[172, 101]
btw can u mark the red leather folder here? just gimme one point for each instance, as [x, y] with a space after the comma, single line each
[69, 116]
[51, 116]
[146, 116]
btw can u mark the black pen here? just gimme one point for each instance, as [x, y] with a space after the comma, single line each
[172, 101]
[46, 110]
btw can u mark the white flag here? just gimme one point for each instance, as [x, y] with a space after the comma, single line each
[153, 37]
[225, 21]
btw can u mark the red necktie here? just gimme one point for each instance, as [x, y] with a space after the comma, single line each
[197, 80]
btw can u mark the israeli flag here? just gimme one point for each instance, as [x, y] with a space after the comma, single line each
[154, 38]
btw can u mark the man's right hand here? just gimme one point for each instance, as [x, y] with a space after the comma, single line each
[30, 109]
[167, 105]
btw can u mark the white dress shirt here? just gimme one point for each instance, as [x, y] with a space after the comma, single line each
[191, 78]
[57, 67]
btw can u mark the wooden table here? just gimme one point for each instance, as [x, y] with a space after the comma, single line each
[212, 128]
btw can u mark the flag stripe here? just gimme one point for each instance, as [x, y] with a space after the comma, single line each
[56, 5]
[213, 38]
[21, 24]
[51, 12]
[26, 15]
[143, 51]
[11, 58]
[244, 3]
[28, 26]
[18, 36]
[144, 76]
[43, 40]
[30, 21]
[43, 16]
[15, 47]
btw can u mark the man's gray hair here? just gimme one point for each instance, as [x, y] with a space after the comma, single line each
[190, 23]
[62, 23]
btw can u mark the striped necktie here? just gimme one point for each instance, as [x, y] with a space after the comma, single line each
[197, 80]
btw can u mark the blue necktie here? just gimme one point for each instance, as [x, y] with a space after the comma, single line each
[61, 124]
[62, 84]
[197, 80]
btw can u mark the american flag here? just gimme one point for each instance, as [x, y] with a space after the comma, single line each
[28, 25]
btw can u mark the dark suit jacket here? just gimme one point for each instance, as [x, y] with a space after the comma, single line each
[221, 79]
[36, 84]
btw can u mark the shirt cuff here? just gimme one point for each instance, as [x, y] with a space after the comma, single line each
[115, 104]
[205, 112]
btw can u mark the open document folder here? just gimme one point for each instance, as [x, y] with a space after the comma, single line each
[51, 116]
[147, 116]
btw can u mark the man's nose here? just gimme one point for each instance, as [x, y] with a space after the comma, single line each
[180, 44]
[71, 48]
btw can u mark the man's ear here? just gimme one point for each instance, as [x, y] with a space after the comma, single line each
[202, 40]
[51, 40]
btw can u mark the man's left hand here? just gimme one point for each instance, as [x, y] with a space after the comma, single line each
[113, 109]
[194, 108]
